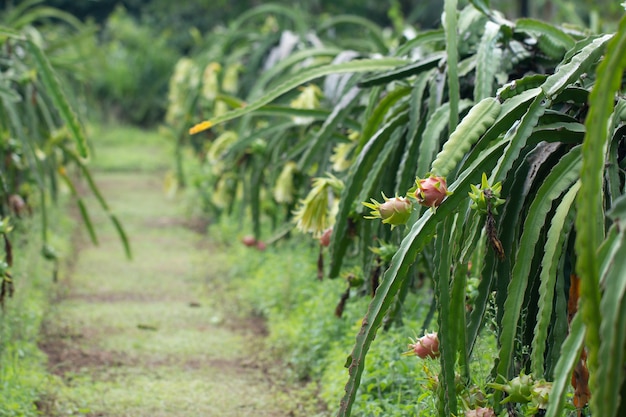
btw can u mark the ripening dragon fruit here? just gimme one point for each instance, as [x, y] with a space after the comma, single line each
[431, 191]
[426, 346]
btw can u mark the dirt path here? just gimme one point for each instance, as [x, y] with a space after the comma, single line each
[150, 337]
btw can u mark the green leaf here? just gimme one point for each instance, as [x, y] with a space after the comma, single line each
[431, 138]
[101, 200]
[18, 130]
[518, 135]
[558, 132]
[81, 205]
[429, 38]
[87, 220]
[281, 66]
[404, 71]
[408, 171]
[570, 355]
[379, 113]
[293, 13]
[559, 229]
[353, 186]
[580, 63]
[613, 310]
[477, 315]
[382, 165]
[316, 114]
[373, 29]
[552, 40]
[452, 53]
[512, 110]
[590, 216]
[521, 85]
[57, 95]
[564, 173]
[445, 313]
[489, 58]
[362, 65]
[339, 113]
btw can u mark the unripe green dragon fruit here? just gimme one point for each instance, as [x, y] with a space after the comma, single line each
[523, 389]
[394, 211]
[385, 251]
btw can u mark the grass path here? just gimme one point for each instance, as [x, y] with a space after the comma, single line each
[149, 337]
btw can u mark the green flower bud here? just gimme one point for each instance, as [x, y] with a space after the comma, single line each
[486, 195]
[519, 389]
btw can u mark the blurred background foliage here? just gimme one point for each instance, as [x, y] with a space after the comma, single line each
[179, 16]
[128, 48]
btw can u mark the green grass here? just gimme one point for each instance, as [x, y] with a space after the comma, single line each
[281, 284]
[23, 373]
[127, 148]
[159, 335]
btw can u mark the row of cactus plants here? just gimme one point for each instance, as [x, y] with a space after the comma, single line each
[523, 195]
[42, 138]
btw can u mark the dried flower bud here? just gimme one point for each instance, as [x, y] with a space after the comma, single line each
[248, 240]
[17, 204]
[325, 238]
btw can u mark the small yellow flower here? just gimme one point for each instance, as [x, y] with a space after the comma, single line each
[200, 127]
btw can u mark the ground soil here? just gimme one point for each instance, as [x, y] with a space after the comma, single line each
[154, 336]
